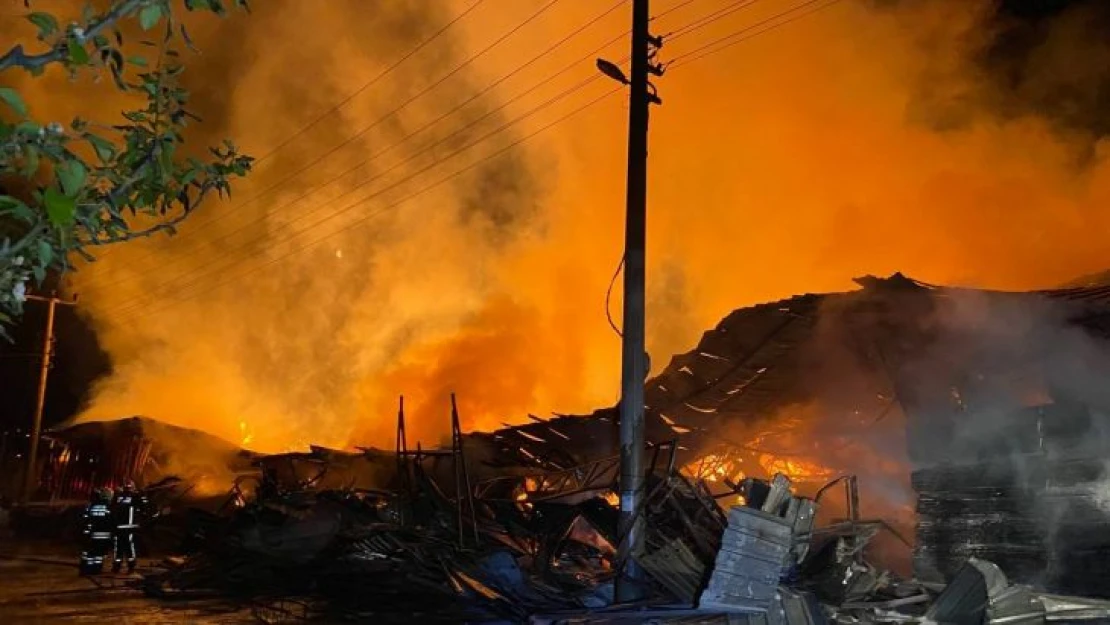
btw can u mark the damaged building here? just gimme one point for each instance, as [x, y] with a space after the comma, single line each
[780, 449]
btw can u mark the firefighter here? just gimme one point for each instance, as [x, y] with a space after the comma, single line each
[96, 531]
[127, 507]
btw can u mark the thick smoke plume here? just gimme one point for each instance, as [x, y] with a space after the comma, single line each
[788, 163]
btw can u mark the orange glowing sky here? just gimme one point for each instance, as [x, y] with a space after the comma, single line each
[789, 163]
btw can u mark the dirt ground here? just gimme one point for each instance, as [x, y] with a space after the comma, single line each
[39, 583]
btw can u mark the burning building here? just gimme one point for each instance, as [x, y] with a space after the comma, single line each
[83, 457]
[1000, 397]
[985, 413]
[975, 420]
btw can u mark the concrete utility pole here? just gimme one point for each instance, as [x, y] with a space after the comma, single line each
[44, 371]
[633, 355]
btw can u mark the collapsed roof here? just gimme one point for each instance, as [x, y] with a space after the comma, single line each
[762, 359]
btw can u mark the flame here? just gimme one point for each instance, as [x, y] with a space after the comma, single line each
[796, 470]
[246, 434]
[612, 499]
[208, 485]
[715, 468]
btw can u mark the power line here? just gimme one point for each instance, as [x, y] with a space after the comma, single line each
[672, 9]
[708, 49]
[370, 216]
[684, 59]
[131, 305]
[694, 55]
[709, 19]
[609, 296]
[312, 189]
[350, 139]
[373, 81]
[410, 100]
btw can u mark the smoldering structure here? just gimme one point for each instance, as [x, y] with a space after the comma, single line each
[780, 449]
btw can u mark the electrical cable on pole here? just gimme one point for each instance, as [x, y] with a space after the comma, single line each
[735, 38]
[709, 19]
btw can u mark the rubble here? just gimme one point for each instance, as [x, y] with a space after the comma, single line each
[980, 594]
[539, 548]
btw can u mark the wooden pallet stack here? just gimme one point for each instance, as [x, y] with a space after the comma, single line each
[1034, 506]
[757, 548]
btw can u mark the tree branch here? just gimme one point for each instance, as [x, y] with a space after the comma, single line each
[169, 226]
[16, 57]
[31, 236]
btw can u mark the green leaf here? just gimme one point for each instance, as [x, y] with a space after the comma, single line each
[60, 208]
[31, 161]
[78, 55]
[165, 157]
[12, 98]
[46, 253]
[104, 148]
[40, 274]
[45, 22]
[150, 15]
[137, 60]
[72, 176]
[15, 207]
[189, 176]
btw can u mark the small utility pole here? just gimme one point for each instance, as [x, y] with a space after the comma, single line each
[44, 371]
[633, 355]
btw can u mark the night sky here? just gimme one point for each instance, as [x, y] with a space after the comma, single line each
[1019, 26]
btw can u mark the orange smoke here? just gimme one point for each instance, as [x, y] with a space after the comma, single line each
[789, 163]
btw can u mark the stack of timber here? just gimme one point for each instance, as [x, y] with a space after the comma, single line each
[1028, 498]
